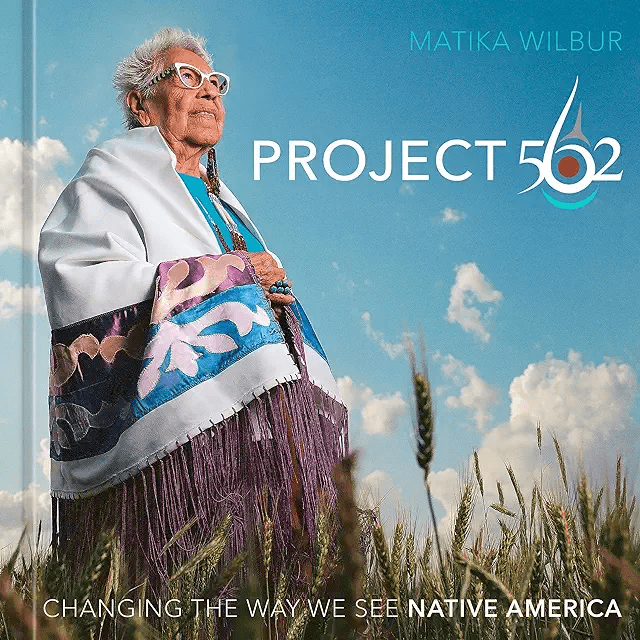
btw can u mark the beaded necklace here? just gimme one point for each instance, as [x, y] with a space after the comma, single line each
[213, 191]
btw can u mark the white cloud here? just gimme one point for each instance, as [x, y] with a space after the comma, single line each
[581, 402]
[379, 413]
[3, 103]
[43, 121]
[44, 156]
[92, 132]
[586, 406]
[406, 189]
[471, 286]
[15, 299]
[14, 507]
[378, 491]
[51, 67]
[378, 488]
[392, 349]
[377, 481]
[445, 488]
[44, 459]
[476, 395]
[451, 216]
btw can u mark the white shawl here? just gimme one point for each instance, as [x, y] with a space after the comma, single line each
[126, 206]
[124, 213]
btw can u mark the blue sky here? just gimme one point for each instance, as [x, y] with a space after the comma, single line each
[529, 311]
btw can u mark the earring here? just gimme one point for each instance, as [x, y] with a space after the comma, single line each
[212, 173]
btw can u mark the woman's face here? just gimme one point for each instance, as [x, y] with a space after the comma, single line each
[189, 118]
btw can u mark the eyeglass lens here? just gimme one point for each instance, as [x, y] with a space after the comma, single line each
[192, 78]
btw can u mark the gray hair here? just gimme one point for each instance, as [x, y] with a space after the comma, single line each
[135, 72]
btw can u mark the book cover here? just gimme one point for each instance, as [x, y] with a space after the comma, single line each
[458, 175]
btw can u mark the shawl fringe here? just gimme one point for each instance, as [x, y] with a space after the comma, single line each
[277, 455]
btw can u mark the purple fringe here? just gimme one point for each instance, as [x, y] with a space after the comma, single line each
[233, 467]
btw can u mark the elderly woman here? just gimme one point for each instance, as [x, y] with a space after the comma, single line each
[186, 381]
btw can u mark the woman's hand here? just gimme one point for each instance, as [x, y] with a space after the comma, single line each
[269, 273]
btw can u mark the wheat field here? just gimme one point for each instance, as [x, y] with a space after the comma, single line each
[559, 565]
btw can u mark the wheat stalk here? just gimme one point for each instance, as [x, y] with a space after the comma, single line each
[396, 549]
[323, 540]
[587, 518]
[597, 501]
[516, 488]
[352, 581]
[424, 421]
[211, 552]
[561, 524]
[389, 578]
[506, 544]
[94, 570]
[502, 509]
[478, 473]
[296, 630]
[178, 534]
[534, 502]
[618, 481]
[537, 571]
[563, 470]
[463, 520]
[491, 581]
[539, 435]
[226, 575]
[410, 557]
[267, 546]
[384, 563]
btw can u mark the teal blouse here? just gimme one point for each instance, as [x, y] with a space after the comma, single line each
[198, 191]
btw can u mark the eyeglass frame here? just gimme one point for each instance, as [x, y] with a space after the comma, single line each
[175, 69]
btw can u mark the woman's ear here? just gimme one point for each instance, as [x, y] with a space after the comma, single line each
[134, 100]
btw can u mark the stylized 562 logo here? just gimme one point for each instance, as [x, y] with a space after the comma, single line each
[578, 173]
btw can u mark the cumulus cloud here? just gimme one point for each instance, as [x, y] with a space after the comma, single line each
[3, 103]
[445, 488]
[379, 492]
[379, 413]
[451, 216]
[43, 458]
[586, 406]
[582, 402]
[475, 394]
[15, 299]
[471, 286]
[392, 349]
[14, 507]
[93, 131]
[378, 488]
[44, 155]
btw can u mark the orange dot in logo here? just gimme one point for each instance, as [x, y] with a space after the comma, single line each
[568, 166]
